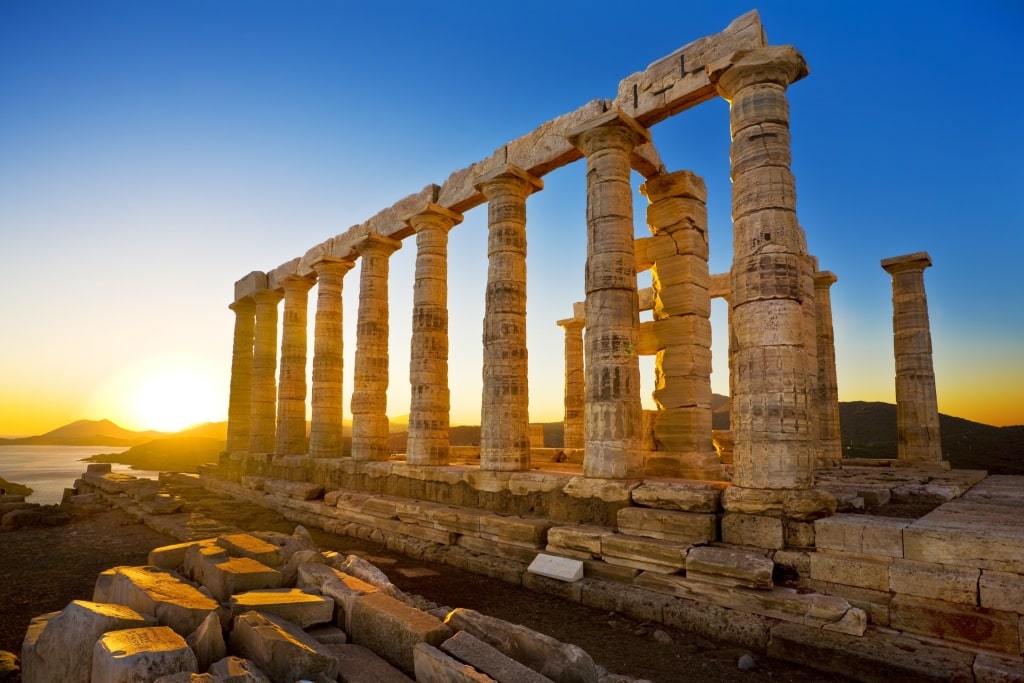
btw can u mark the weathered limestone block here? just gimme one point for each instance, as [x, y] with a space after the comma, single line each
[558, 661]
[687, 496]
[290, 571]
[392, 629]
[935, 581]
[670, 525]
[874, 603]
[581, 540]
[311, 576]
[207, 642]
[232, 669]
[729, 567]
[224, 576]
[560, 568]
[865, 534]
[994, 669]
[344, 590]
[608, 596]
[281, 649]
[718, 623]
[607, 490]
[291, 604]
[138, 654]
[59, 646]
[187, 677]
[357, 664]
[876, 657]
[759, 531]
[568, 591]
[639, 552]
[1002, 590]
[430, 665]
[171, 557]
[353, 565]
[528, 532]
[863, 571]
[976, 626]
[293, 489]
[505, 551]
[246, 545]
[970, 534]
[489, 660]
[153, 591]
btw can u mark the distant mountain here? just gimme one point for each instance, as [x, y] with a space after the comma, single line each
[86, 433]
[170, 454]
[209, 430]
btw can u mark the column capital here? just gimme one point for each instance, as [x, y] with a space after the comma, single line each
[244, 305]
[780, 65]
[907, 263]
[377, 245]
[572, 324]
[332, 264]
[610, 129]
[433, 216]
[267, 296]
[297, 283]
[823, 279]
[510, 176]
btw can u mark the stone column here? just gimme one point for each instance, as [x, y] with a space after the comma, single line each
[291, 399]
[325, 431]
[772, 402]
[505, 404]
[830, 451]
[572, 423]
[917, 406]
[612, 423]
[677, 217]
[240, 396]
[264, 365]
[428, 368]
[370, 386]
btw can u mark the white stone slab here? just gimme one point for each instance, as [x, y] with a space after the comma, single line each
[554, 567]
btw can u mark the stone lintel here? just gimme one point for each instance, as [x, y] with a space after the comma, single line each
[249, 284]
[719, 286]
[432, 210]
[314, 255]
[611, 118]
[645, 160]
[276, 277]
[509, 171]
[679, 81]
[375, 240]
[908, 262]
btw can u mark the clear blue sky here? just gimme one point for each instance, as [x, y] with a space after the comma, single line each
[152, 153]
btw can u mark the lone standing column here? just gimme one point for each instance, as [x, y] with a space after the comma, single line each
[291, 400]
[264, 365]
[572, 423]
[830, 450]
[240, 395]
[370, 385]
[917, 406]
[325, 431]
[505, 405]
[612, 421]
[772, 402]
[428, 368]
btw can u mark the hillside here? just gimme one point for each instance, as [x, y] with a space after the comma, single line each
[86, 433]
[170, 454]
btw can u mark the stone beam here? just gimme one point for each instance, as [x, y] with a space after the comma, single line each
[250, 284]
[276, 277]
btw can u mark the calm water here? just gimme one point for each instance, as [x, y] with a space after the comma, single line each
[51, 469]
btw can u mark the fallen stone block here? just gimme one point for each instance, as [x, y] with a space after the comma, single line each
[561, 662]
[391, 628]
[292, 604]
[357, 664]
[232, 669]
[58, 646]
[353, 565]
[282, 650]
[328, 634]
[246, 545]
[311, 576]
[729, 567]
[139, 654]
[156, 592]
[207, 642]
[170, 557]
[433, 666]
[188, 677]
[35, 516]
[553, 567]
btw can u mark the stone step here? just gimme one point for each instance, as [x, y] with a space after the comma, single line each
[729, 567]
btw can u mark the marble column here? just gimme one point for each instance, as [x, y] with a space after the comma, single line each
[264, 367]
[370, 383]
[326, 423]
[771, 401]
[612, 423]
[240, 395]
[682, 323]
[917, 406]
[572, 422]
[291, 399]
[830, 451]
[428, 368]
[505, 403]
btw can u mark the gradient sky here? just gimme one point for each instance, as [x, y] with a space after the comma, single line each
[152, 153]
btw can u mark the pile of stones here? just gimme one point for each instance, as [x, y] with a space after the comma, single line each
[270, 607]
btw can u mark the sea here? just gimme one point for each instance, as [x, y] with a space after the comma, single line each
[48, 470]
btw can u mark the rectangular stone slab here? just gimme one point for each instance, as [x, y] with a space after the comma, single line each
[486, 659]
[392, 629]
[137, 654]
[861, 534]
[281, 649]
[292, 604]
[969, 533]
[553, 567]
[670, 525]
[247, 545]
[730, 567]
[153, 591]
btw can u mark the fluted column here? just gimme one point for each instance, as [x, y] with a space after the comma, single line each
[240, 394]
[505, 404]
[428, 368]
[682, 324]
[326, 424]
[291, 399]
[572, 422]
[830, 450]
[917, 406]
[370, 385]
[612, 423]
[264, 365]
[772, 402]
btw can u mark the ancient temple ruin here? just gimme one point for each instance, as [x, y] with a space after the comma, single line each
[663, 525]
